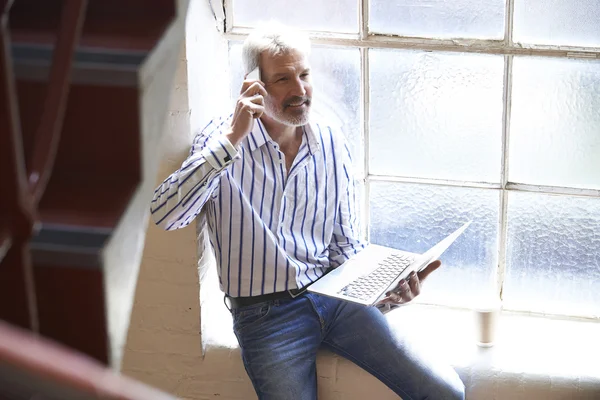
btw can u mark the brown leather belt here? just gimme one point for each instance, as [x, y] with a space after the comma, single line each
[239, 302]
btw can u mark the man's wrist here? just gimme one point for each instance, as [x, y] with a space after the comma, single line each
[233, 138]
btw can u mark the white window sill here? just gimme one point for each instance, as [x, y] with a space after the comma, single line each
[533, 358]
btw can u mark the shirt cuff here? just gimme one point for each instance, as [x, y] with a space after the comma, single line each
[219, 152]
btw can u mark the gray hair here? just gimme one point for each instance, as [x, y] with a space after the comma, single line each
[275, 39]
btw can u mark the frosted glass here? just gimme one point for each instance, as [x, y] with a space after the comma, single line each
[414, 217]
[318, 15]
[360, 205]
[555, 123]
[553, 254]
[436, 115]
[558, 22]
[336, 90]
[439, 18]
[336, 94]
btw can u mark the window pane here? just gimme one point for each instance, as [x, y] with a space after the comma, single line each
[555, 123]
[336, 94]
[415, 217]
[436, 115]
[553, 254]
[317, 15]
[439, 18]
[336, 90]
[558, 22]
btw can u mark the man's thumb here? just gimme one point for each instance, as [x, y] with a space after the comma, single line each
[429, 269]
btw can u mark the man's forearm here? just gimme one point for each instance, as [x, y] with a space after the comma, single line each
[183, 194]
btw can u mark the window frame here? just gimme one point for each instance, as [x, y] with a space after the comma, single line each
[365, 40]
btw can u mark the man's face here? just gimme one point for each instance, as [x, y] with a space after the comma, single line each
[287, 80]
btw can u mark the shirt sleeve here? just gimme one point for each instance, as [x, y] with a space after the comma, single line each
[180, 197]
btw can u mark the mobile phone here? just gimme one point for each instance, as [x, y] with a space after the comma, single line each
[254, 75]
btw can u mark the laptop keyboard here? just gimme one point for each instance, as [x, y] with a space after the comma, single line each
[366, 286]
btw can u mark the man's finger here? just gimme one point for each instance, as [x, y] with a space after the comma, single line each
[255, 110]
[404, 292]
[402, 286]
[429, 269]
[414, 284]
[250, 88]
[407, 294]
[392, 298]
[246, 84]
[258, 99]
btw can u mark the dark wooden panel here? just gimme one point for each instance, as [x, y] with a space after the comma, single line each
[98, 163]
[101, 128]
[17, 212]
[71, 307]
[31, 104]
[131, 25]
[16, 293]
[101, 135]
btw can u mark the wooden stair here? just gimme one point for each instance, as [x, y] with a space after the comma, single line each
[84, 92]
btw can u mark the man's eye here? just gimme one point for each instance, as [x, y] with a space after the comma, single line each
[304, 75]
[282, 79]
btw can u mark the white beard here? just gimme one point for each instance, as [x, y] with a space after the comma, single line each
[276, 112]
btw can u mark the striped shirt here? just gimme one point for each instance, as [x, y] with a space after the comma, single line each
[271, 230]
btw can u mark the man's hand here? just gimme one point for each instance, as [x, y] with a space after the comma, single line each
[409, 288]
[250, 105]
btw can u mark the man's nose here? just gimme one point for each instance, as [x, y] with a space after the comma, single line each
[299, 89]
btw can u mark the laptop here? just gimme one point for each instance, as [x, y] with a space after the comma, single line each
[367, 276]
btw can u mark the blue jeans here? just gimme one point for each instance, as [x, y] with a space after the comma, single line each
[279, 341]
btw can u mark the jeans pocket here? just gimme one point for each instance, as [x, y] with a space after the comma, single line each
[245, 318]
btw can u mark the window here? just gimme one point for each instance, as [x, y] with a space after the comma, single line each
[466, 110]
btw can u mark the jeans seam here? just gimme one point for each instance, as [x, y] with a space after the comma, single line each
[250, 374]
[366, 367]
[321, 320]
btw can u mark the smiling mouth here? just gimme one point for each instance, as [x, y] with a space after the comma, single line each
[297, 105]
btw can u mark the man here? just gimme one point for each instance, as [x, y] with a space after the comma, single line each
[281, 209]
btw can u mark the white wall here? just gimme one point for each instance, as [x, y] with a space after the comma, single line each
[164, 346]
[208, 77]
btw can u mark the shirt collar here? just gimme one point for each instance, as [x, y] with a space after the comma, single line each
[313, 143]
[259, 136]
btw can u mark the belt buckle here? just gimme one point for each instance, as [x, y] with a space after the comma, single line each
[301, 292]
